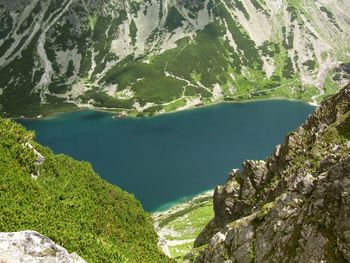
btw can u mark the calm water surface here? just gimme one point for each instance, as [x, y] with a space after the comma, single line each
[169, 157]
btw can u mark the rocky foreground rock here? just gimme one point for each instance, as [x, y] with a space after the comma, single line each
[293, 207]
[32, 247]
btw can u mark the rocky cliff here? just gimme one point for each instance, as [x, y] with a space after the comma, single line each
[161, 55]
[292, 207]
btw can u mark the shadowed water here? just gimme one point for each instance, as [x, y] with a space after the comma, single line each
[165, 158]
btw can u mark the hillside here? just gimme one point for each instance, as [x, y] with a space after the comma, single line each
[66, 201]
[148, 57]
[292, 207]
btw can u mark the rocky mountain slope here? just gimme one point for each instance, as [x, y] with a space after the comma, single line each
[66, 201]
[147, 57]
[292, 207]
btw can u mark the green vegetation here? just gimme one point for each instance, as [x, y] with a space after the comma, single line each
[311, 64]
[182, 224]
[133, 32]
[174, 19]
[263, 211]
[257, 5]
[293, 12]
[327, 12]
[288, 70]
[344, 128]
[330, 16]
[241, 7]
[252, 253]
[70, 204]
[92, 22]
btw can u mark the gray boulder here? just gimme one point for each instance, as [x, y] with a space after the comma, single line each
[32, 247]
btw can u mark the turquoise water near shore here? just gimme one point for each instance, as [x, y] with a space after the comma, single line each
[166, 159]
[181, 200]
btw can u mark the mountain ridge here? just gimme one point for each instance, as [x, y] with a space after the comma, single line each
[157, 56]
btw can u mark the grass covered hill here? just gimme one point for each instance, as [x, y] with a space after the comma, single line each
[66, 201]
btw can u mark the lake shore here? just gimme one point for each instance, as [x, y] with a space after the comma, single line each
[117, 113]
[181, 206]
[191, 216]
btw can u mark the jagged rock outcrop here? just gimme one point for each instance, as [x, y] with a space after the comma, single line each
[32, 247]
[293, 207]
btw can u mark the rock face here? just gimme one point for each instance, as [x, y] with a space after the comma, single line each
[160, 55]
[293, 207]
[32, 247]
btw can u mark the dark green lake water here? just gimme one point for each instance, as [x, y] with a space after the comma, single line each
[166, 158]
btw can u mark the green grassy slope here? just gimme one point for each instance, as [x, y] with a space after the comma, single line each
[180, 225]
[70, 204]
